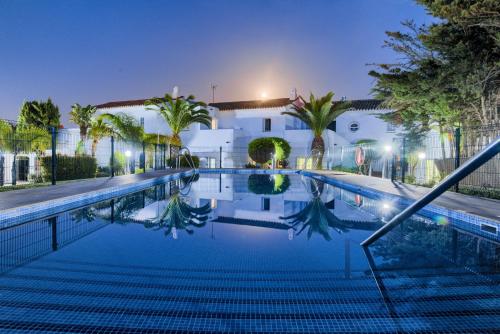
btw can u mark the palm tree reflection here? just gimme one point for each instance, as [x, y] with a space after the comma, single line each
[179, 215]
[316, 217]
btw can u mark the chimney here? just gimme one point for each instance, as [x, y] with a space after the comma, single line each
[175, 92]
[293, 94]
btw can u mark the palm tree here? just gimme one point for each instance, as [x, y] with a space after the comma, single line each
[318, 114]
[179, 113]
[27, 139]
[121, 126]
[179, 215]
[82, 116]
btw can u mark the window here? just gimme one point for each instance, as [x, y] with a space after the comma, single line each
[266, 204]
[267, 124]
[354, 126]
[390, 127]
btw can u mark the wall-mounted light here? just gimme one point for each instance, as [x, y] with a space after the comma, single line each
[421, 155]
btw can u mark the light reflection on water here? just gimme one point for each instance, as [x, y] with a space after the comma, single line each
[262, 238]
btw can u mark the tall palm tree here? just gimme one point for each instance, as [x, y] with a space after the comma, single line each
[318, 114]
[179, 215]
[179, 113]
[82, 116]
[120, 125]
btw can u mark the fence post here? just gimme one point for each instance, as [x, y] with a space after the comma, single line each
[112, 156]
[457, 153]
[156, 158]
[403, 160]
[2, 170]
[53, 163]
[164, 162]
[220, 156]
[143, 160]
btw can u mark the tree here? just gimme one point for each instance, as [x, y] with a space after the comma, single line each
[179, 113]
[17, 140]
[120, 125]
[449, 71]
[82, 116]
[318, 114]
[40, 114]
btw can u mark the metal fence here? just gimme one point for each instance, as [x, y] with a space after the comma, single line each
[27, 158]
[426, 161]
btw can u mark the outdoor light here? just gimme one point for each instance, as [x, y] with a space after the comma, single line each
[421, 155]
[387, 148]
[263, 95]
[386, 206]
[128, 154]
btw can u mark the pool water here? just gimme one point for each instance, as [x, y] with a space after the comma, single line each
[245, 253]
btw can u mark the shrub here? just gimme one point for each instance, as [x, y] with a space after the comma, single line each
[261, 150]
[120, 162]
[70, 168]
[268, 184]
[250, 165]
[184, 162]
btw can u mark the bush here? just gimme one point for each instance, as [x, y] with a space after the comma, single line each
[70, 168]
[261, 150]
[250, 165]
[184, 162]
[268, 184]
[120, 162]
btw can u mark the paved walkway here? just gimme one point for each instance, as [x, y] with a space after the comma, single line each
[16, 198]
[488, 208]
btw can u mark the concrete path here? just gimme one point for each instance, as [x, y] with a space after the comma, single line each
[16, 198]
[484, 207]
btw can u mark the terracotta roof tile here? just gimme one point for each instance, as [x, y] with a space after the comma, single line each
[366, 104]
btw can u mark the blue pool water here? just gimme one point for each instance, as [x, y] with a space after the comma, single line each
[245, 253]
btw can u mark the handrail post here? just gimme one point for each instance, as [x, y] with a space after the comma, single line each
[463, 171]
[457, 153]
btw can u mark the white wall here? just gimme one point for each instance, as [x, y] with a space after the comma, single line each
[370, 126]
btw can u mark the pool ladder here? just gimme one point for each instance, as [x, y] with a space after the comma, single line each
[468, 167]
[188, 157]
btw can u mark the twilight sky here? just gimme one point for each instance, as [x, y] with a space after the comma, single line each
[96, 51]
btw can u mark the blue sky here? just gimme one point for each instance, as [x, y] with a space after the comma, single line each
[93, 52]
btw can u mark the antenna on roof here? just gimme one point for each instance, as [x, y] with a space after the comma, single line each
[213, 87]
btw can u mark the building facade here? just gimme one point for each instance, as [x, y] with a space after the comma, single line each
[235, 124]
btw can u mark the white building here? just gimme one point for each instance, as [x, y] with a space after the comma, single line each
[236, 123]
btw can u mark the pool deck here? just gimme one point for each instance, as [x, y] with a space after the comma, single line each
[23, 197]
[483, 207]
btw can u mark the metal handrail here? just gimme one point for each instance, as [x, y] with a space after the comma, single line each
[189, 160]
[471, 165]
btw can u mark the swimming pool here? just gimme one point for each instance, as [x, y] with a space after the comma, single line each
[246, 253]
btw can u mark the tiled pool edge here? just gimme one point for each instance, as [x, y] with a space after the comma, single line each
[463, 220]
[41, 210]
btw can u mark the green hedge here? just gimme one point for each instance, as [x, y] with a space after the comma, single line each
[70, 168]
[261, 149]
[184, 163]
